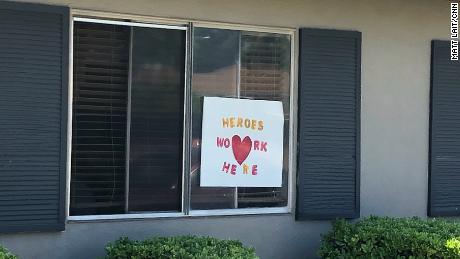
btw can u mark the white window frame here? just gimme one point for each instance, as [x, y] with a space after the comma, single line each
[183, 24]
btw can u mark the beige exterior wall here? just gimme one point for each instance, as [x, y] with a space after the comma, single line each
[395, 76]
[394, 117]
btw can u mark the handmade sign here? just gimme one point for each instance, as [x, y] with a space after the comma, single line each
[242, 143]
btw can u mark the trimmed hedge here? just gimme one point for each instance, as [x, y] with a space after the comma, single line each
[184, 247]
[384, 237]
[5, 254]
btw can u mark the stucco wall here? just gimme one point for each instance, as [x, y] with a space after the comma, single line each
[394, 133]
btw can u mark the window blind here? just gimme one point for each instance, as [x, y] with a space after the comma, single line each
[101, 64]
[265, 75]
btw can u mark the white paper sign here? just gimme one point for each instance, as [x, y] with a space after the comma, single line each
[242, 143]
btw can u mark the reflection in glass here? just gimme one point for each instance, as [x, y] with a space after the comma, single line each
[155, 172]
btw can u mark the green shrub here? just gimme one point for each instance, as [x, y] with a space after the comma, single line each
[183, 247]
[5, 254]
[384, 237]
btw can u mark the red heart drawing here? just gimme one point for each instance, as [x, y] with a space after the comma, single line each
[241, 149]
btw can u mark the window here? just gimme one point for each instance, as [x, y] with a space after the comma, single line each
[129, 109]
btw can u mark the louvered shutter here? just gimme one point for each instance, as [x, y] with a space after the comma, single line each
[329, 124]
[33, 116]
[444, 183]
[101, 65]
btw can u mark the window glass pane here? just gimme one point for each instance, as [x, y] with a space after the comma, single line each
[265, 75]
[215, 73]
[104, 57]
[101, 58]
[157, 86]
[247, 65]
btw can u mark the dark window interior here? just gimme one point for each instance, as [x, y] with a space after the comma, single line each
[155, 172]
[101, 64]
[117, 68]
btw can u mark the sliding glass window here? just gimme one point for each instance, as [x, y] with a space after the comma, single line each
[129, 97]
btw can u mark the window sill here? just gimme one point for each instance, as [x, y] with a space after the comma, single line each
[193, 214]
[233, 212]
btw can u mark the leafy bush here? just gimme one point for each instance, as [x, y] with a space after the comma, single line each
[384, 237]
[183, 247]
[5, 254]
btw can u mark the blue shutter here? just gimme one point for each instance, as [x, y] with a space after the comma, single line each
[329, 124]
[34, 43]
[444, 176]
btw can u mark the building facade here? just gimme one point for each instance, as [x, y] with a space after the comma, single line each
[101, 110]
